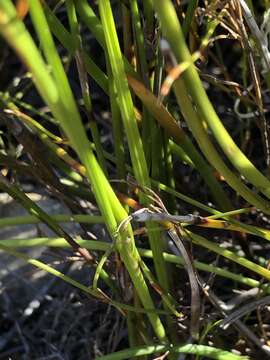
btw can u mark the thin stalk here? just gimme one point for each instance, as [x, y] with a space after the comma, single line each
[189, 16]
[201, 241]
[149, 16]
[138, 158]
[209, 150]
[55, 91]
[128, 118]
[77, 41]
[159, 153]
[117, 129]
[171, 304]
[173, 33]
[15, 192]
[32, 123]
[202, 350]
[148, 125]
[95, 293]
[169, 171]
[180, 153]
[60, 218]
[229, 225]
[125, 100]
[90, 19]
[166, 120]
[259, 37]
[61, 33]
[127, 34]
[139, 42]
[7, 99]
[104, 246]
[236, 225]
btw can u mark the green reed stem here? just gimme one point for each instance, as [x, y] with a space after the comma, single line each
[104, 246]
[209, 150]
[129, 121]
[202, 350]
[173, 33]
[65, 38]
[166, 120]
[201, 241]
[56, 92]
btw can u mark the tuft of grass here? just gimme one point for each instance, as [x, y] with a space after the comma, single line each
[161, 141]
